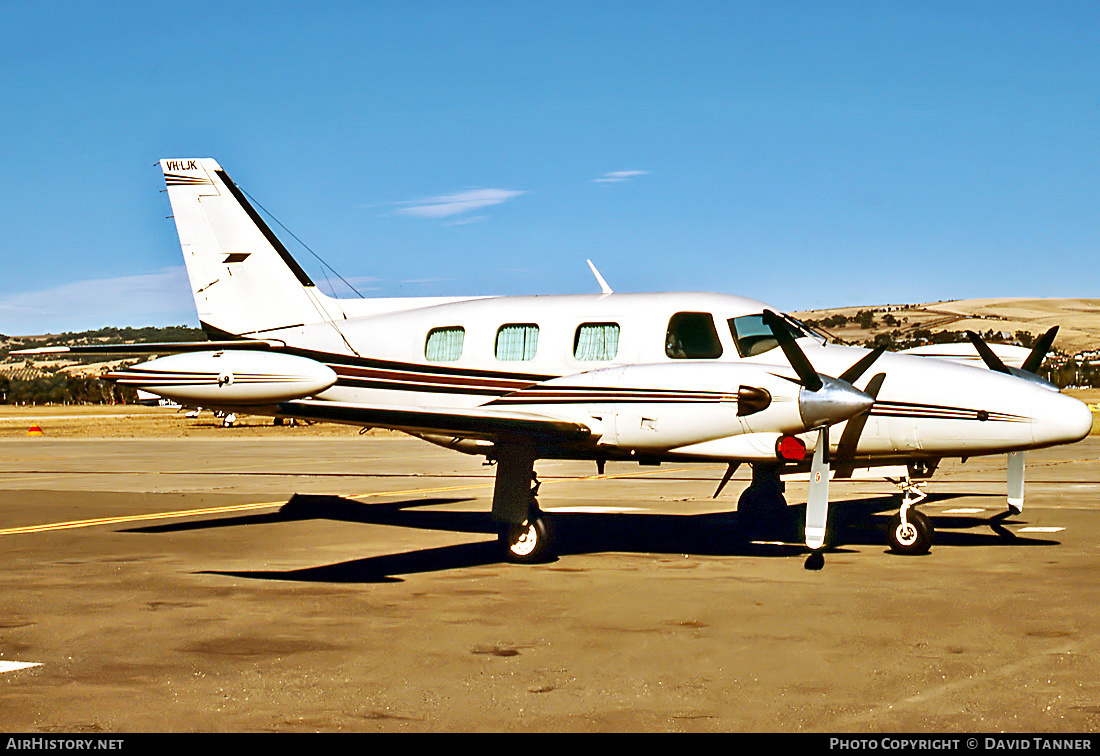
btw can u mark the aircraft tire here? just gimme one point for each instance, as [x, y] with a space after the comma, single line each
[529, 543]
[916, 539]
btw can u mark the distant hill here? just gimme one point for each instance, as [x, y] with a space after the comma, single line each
[24, 369]
[1078, 321]
[108, 335]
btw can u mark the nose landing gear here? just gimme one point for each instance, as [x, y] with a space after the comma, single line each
[910, 531]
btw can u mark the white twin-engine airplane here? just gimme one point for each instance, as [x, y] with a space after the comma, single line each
[645, 377]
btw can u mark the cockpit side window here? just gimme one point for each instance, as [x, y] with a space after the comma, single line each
[752, 335]
[692, 336]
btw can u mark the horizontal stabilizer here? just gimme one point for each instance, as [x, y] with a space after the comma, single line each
[164, 347]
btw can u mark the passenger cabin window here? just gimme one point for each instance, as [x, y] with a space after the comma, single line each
[692, 336]
[596, 342]
[444, 344]
[517, 342]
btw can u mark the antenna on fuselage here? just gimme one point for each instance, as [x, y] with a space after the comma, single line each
[599, 279]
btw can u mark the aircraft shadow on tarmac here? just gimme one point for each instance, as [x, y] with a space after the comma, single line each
[857, 522]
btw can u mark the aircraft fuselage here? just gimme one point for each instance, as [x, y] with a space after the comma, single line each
[574, 357]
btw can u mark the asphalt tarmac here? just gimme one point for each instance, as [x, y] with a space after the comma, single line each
[292, 584]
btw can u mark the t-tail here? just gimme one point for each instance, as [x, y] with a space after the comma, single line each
[244, 280]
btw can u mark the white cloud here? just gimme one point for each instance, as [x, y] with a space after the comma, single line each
[446, 205]
[157, 299]
[468, 220]
[614, 177]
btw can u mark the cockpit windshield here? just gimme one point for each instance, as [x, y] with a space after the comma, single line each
[752, 336]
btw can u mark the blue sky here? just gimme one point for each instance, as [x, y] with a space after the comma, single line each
[807, 154]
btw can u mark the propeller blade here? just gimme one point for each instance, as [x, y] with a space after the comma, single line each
[992, 361]
[1016, 482]
[852, 374]
[1039, 351]
[817, 501]
[794, 354]
[849, 439]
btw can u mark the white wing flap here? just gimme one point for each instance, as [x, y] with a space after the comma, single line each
[478, 422]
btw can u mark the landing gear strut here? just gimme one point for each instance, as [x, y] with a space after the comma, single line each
[910, 531]
[524, 531]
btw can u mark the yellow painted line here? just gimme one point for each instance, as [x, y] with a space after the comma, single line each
[417, 491]
[33, 479]
[138, 518]
[205, 511]
[73, 524]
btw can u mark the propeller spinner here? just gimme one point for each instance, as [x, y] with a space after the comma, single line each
[824, 400]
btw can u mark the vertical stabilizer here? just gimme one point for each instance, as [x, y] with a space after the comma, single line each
[244, 281]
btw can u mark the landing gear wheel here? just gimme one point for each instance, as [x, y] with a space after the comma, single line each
[528, 543]
[815, 561]
[912, 537]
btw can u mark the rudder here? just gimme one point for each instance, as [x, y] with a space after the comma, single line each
[244, 281]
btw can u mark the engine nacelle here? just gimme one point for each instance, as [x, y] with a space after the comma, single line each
[229, 378]
[658, 407]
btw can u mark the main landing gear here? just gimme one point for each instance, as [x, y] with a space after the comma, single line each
[524, 533]
[762, 509]
[910, 530]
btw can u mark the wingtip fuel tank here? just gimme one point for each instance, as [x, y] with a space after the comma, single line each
[230, 378]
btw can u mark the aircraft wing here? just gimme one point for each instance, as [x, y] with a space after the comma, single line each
[476, 422]
[965, 353]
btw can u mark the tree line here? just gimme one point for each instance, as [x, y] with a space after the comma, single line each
[63, 388]
[108, 335]
[60, 387]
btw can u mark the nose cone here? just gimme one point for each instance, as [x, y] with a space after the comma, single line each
[1059, 419]
[834, 402]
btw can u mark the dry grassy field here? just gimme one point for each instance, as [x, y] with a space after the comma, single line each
[136, 421]
[1078, 320]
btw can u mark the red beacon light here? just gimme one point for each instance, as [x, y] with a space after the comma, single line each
[790, 449]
